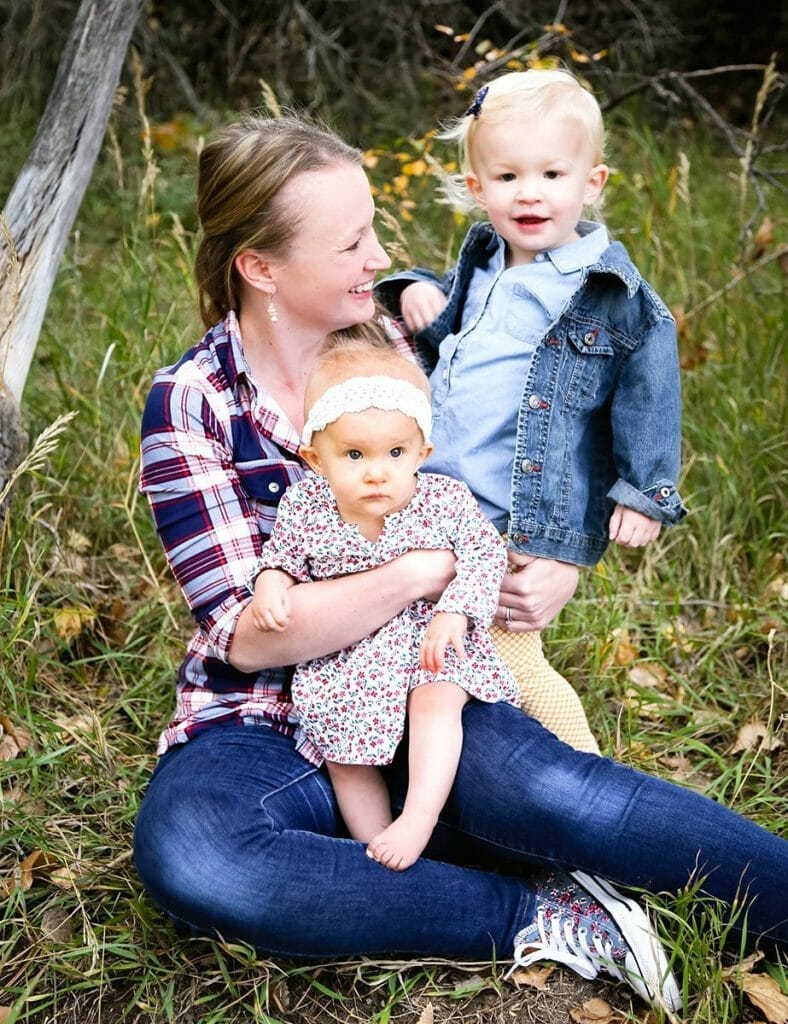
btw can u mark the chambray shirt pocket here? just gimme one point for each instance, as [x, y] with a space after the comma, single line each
[588, 362]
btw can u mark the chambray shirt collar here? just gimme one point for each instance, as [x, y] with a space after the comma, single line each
[567, 259]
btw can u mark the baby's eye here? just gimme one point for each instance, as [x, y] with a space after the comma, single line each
[396, 453]
[552, 175]
[354, 455]
[507, 176]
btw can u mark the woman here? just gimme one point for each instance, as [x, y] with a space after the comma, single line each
[238, 834]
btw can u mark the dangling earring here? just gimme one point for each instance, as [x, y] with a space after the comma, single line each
[273, 316]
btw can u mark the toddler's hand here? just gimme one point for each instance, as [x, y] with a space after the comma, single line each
[446, 628]
[420, 303]
[632, 529]
[271, 606]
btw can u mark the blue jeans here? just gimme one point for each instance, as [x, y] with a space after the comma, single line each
[238, 835]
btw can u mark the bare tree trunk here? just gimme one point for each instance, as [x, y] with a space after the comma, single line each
[45, 199]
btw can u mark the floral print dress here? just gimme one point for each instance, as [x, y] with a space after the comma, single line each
[351, 704]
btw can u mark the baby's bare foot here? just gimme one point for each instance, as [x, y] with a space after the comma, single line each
[401, 844]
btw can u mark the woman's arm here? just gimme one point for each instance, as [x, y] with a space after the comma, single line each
[331, 614]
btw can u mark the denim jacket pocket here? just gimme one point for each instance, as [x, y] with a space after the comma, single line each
[587, 359]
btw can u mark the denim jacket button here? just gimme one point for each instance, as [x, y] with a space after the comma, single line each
[534, 402]
[589, 338]
[526, 465]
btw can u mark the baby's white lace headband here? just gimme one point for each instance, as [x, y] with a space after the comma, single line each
[360, 393]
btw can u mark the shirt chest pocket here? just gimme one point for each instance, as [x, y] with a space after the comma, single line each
[266, 480]
[587, 368]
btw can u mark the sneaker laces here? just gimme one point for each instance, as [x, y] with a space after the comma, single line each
[562, 940]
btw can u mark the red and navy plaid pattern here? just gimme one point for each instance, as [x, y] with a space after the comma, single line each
[216, 458]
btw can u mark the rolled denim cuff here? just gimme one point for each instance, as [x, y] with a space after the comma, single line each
[660, 501]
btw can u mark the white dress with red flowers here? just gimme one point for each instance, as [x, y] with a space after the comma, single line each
[351, 704]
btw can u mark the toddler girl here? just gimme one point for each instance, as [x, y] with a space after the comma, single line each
[556, 379]
[366, 435]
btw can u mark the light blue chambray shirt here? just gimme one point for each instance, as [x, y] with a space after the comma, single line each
[477, 384]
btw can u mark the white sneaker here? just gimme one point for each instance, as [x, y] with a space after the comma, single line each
[586, 924]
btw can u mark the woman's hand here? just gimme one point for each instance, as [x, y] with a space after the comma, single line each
[420, 303]
[533, 592]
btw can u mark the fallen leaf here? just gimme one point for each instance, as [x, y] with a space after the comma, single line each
[594, 1011]
[5, 1013]
[8, 748]
[56, 925]
[651, 675]
[21, 736]
[763, 238]
[535, 977]
[69, 622]
[427, 1015]
[625, 650]
[755, 736]
[764, 993]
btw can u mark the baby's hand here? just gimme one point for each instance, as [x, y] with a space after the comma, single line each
[633, 529]
[420, 303]
[271, 606]
[446, 628]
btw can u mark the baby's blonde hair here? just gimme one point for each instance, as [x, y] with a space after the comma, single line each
[518, 93]
[346, 355]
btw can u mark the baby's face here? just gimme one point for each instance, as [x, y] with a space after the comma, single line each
[370, 460]
[533, 175]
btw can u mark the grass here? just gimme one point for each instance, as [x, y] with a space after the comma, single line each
[674, 651]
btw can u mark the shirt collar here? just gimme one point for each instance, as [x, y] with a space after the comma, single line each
[584, 251]
[226, 338]
[569, 258]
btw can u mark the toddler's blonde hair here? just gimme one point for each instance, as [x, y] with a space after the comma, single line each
[517, 94]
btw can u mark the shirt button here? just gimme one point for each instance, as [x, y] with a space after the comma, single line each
[526, 465]
[540, 257]
[274, 487]
[534, 401]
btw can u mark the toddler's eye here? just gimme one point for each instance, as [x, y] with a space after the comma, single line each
[354, 455]
[507, 176]
[552, 175]
[395, 453]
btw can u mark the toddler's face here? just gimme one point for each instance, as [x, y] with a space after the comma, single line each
[369, 459]
[533, 176]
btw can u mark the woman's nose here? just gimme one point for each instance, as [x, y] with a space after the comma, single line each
[378, 258]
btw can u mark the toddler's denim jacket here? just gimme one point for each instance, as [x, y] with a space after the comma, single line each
[599, 421]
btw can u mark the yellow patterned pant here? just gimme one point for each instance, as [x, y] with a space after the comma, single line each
[545, 694]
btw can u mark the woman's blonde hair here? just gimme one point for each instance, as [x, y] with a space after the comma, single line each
[517, 94]
[242, 172]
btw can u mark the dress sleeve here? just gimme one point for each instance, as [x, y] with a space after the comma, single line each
[204, 517]
[481, 559]
[285, 548]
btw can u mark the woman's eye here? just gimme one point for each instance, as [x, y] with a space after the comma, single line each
[354, 246]
[395, 453]
[354, 455]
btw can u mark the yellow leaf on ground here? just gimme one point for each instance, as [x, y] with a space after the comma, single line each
[651, 675]
[755, 736]
[427, 1015]
[764, 993]
[535, 977]
[594, 1011]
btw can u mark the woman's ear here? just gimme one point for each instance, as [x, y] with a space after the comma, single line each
[255, 270]
[311, 458]
[595, 183]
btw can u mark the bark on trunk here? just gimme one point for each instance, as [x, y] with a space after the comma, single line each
[44, 201]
